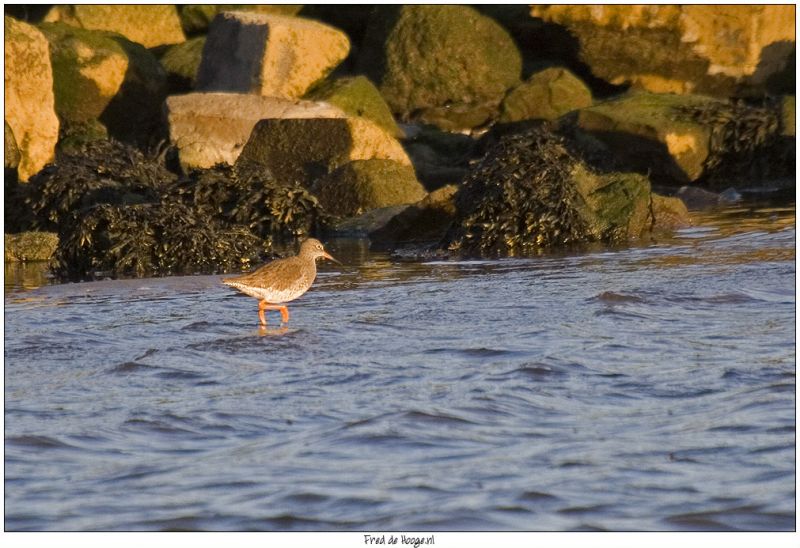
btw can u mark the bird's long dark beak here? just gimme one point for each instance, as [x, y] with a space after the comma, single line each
[330, 258]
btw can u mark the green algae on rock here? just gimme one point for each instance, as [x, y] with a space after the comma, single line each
[440, 58]
[181, 62]
[357, 96]
[362, 185]
[546, 95]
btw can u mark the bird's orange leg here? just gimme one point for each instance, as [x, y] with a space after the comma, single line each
[264, 305]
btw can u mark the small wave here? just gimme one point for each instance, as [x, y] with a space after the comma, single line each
[156, 426]
[167, 373]
[39, 442]
[130, 367]
[538, 372]
[744, 518]
[582, 510]
[480, 352]
[440, 418]
[536, 496]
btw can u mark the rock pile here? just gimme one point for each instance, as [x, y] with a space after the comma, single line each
[165, 139]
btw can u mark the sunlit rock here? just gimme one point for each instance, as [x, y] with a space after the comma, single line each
[29, 100]
[269, 55]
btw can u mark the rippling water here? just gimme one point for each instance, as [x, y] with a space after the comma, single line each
[647, 388]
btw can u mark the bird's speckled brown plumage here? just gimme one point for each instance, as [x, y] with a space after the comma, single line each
[282, 280]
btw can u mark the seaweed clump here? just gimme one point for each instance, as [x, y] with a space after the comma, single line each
[746, 143]
[520, 198]
[119, 213]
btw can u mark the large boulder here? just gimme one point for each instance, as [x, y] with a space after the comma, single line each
[680, 139]
[531, 193]
[103, 76]
[212, 128]
[29, 101]
[448, 65]
[305, 149]
[268, 54]
[363, 185]
[196, 18]
[709, 49]
[546, 95]
[357, 96]
[149, 25]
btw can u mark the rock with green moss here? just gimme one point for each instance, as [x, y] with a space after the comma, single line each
[546, 95]
[357, 96]
[669, 213]
[181, 62]
[616, 205]
[530, 193]
[363, 185]
[75, 136]
[103, 76]
[447, 64]
[647, 132]
[195, 18]
[30, 246]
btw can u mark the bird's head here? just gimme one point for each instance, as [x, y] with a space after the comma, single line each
[313, 248]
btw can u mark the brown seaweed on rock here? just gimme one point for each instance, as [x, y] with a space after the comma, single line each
[120, 213]
[151, 239]
[518, 198]
[746, 144]
[99, 172]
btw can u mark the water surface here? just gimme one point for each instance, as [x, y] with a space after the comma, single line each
[646, 388]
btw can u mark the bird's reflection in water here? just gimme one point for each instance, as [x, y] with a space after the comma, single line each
[263, 330]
